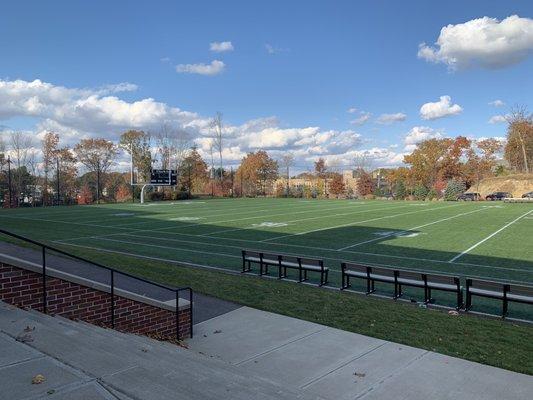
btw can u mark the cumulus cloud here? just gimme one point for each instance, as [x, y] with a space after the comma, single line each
[497, 103]
[418, 134]
[214, 68]
[498, 119]
[482, 42]
[440, 109]
[81, 113]
[362, 119]
[387, 119]
[221, 47]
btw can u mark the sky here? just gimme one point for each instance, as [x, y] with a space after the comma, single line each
[333, 79]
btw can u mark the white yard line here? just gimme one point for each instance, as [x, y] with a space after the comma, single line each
[174, 226]
[235, 256]
[490, 236]
[410, 229]
[355, 223]
[307, 219]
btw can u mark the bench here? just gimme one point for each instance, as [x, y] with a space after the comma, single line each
[400, 278]
[284, 262]
[506, 292]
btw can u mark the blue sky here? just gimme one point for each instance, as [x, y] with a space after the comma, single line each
[326, 57]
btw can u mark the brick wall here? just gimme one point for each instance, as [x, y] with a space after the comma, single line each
[24, 288]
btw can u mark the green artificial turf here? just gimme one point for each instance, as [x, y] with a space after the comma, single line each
[156, 240]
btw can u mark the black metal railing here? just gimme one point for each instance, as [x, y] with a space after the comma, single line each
[112, 271]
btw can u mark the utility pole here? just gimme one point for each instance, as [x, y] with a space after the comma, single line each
[10, 190]
[231, 175]
[57, 172]
[98, 184]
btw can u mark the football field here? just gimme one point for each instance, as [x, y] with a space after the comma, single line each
[485, 239]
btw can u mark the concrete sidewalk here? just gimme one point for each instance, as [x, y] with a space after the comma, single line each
[339, 365]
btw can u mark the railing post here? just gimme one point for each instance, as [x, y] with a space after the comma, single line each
[45, 308]
[177, 314]
[190, 308]
[112, 299]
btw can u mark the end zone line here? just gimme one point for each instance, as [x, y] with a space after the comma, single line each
[410, 229]
[488, 237]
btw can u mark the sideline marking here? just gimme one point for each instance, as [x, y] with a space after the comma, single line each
[488, 237]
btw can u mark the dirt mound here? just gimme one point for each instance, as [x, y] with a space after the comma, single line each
[516, 184]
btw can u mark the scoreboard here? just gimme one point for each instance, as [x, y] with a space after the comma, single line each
[163, 177]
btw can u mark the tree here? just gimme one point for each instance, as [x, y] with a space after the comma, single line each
[519, 148]
[400, 191]
[453, 189]
[321, 171]
[66, 174]
[194, 172]
[286, 162]
[365, 184]
[96, 155]
[481, 160]
[49, 147]
[336, 185]
[218, 129]
[421, 192]
[20, 144]
[257, 171]
[137, 144]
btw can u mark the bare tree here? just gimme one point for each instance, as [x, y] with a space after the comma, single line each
[363, 162]
[20, 144]
[519, 137]
[286, 162]
[218, 130]
[49, 146]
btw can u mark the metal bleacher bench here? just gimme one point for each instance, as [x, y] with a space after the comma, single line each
[282, 262]
[505, 292]
[400, 278]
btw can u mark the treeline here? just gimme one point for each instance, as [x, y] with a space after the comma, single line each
[46, 173]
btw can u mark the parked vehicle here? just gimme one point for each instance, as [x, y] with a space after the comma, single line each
[471, 196]
[528, 195]
[498, 196]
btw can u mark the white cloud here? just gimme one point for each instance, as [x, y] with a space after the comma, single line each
[82, 113]
[497, 103]
[273, 49]
[351, 110]
[482, 42]
[362, 119]
[418, 134]
[387, 119]
[221, 47]
[498, 119]
[439, 109]
[214, 68]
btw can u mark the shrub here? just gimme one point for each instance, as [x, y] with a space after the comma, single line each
[399, 191]
[453, 189]
[432, 194]
[420, 192]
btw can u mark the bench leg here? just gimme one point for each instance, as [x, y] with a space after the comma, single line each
[243, 265]
[260, 269]
[468, 304]
[266, 270]
[459, 299]
[505, 308]
[279, 272]
[327, 278]
[300, 275]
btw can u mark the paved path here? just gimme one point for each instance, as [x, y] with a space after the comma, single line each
[205, 307]
[339, 365]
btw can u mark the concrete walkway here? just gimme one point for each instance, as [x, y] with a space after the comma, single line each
[205, 307]
[333, 364]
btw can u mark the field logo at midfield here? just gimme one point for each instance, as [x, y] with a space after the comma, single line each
[406, 234]
[269, 224]
[125, 214]
[185, 219]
